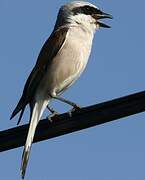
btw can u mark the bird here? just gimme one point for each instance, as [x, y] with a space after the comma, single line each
[60, 63]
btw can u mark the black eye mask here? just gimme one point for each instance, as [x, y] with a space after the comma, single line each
[88, 10]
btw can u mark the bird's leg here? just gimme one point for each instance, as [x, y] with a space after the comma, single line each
[53, 113]
[50, 109]
[66, 101]
[75, 106]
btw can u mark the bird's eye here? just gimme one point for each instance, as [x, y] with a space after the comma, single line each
[86, 7]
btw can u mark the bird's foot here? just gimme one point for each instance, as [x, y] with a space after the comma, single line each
[75, 108]
[54, 114]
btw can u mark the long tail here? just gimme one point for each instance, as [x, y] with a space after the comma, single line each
[37, 111]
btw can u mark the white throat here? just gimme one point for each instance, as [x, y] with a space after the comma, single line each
[86, 22]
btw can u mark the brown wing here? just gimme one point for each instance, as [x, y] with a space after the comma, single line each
[47, 53]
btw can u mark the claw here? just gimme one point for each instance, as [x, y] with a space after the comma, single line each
[75, 108]
[52, 115]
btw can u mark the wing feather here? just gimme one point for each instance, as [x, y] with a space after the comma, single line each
[47, 53]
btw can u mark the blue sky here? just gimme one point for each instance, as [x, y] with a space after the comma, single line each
[112, 151]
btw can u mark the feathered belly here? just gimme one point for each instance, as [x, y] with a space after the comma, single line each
[70, 76]
[68, 65]
[64, 71]
[69, 71]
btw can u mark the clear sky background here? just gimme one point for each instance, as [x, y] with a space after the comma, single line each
[115, 150]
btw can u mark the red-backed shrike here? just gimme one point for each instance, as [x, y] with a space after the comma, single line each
[61, 61]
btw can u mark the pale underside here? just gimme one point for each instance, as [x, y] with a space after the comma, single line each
[68, 64]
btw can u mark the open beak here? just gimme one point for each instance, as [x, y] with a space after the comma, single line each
[102, 15]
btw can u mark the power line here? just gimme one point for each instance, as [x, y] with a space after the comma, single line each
[81, 119]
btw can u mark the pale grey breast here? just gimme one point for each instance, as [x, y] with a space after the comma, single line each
[70, 61]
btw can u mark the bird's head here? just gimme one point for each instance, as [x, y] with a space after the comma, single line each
[82, 13]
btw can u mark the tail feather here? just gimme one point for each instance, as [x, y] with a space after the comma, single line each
[35, 116]
[25, 158]
[20, 117]
[20, 107]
